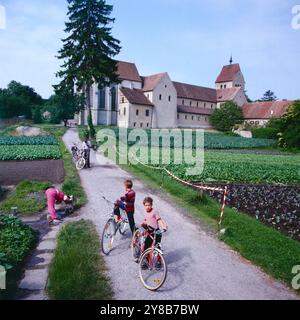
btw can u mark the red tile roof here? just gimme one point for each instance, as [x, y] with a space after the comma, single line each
[150, 82]
[135, 96]
[227, 94]
[265, 110]
[203, 111]
[128, 71]
[188, 91]
[228, 73]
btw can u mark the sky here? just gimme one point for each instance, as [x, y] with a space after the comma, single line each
[189, 39]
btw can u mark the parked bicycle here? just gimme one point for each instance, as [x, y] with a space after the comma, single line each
[152, 265]
[78, 157]
[111, 228]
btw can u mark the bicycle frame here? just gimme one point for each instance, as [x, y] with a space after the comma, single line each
[152, 247]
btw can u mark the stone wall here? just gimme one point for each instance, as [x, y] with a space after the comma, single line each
[13, 172]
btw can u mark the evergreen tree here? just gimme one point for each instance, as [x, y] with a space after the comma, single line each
[89, 49]
[269, 96]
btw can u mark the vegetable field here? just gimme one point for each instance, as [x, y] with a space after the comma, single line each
[29, 148]
[235, 167]
[211, 140]
[38, 140]
[29, 152]
[274, 205]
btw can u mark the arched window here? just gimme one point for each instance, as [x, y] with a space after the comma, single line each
[113, 92]
[101, 99]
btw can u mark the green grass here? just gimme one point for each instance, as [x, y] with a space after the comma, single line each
[29, 198]
[275, 253]
[77, 270]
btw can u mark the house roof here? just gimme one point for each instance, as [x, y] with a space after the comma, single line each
[128, 71]
[188, 91]
[135, 96]
[150, 82]
[203, 111]
[265, 110]
[228, 73]
[227, 94]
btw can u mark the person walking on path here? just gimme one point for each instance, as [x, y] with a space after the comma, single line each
[87, 152]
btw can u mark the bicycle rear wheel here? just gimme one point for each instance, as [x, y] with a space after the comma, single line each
[124, 224]
[135, 245]
[80, 164]
[153, 269]
[108, 236]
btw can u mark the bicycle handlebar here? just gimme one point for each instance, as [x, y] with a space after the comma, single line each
[108, 201]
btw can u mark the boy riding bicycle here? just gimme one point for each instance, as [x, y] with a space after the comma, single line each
[152, 223]
[126, 203]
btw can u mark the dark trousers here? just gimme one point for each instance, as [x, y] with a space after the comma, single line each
[130, 216]
[148, 241]
[87, 155]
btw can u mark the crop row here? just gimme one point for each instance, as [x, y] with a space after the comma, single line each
[32, 152]
[231, 167]
[211, 140]
[37, 140]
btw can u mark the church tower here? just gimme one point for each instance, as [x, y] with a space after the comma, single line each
[231, 76]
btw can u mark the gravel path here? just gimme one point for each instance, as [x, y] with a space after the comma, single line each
[200, 266]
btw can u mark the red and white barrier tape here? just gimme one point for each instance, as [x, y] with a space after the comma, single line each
[225, 190]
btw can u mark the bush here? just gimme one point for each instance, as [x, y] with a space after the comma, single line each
[225, 118]
[16, 241]
[265, 133]
[290, 127]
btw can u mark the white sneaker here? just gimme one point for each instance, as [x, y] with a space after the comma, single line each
[56, 222]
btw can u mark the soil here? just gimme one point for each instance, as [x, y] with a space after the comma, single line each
[277, 206]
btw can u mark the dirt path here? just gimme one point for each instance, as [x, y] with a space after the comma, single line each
[200, 266]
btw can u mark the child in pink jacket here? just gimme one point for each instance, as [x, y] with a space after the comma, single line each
[54, 196]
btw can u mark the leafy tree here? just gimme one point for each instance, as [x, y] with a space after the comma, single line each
[89, 49]
[289, 126]
[269, 96]
[18, 100]
[225, 118]
[63, 105]
[36, 115]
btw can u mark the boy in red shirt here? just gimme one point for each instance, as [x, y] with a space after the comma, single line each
[127, 203]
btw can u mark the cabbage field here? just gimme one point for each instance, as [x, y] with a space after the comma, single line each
[37, 140]
[235, 167]
[29, 148]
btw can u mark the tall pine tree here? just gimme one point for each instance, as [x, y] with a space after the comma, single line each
[89, 49]
[269, 96]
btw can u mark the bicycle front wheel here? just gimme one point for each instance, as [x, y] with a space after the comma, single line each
[135, 245]
[124, 224]
[153, 269]
[80, 164]
[108, 236]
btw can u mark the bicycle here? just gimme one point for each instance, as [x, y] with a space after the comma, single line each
[111, 228]
[153, 268]
[78, 157]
